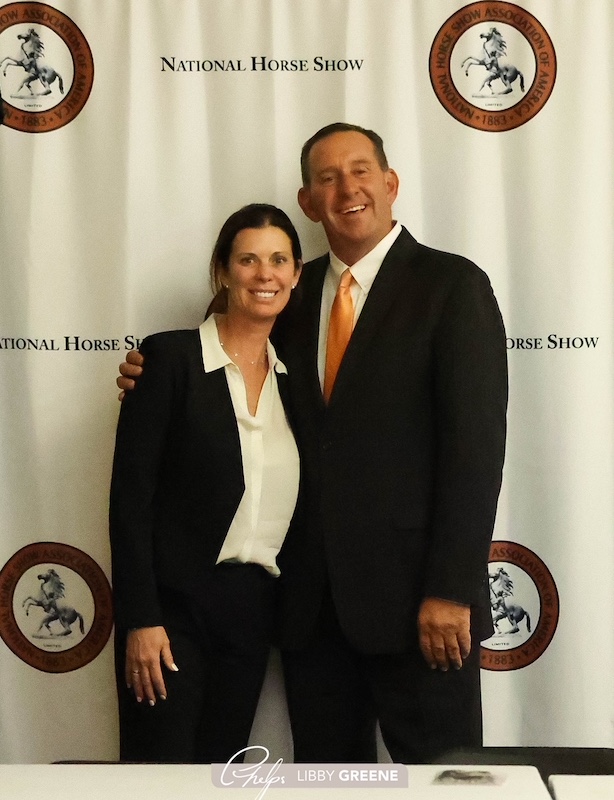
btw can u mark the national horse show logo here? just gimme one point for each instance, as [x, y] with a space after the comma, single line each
[492, 66]
[55, 607]
[524, 604]
[46, 67]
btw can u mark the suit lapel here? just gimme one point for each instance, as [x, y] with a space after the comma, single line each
[392, 280]
[308, 332]
[284, 393]
[213, 413]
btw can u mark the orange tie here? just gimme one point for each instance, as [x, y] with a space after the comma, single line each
[339, 331]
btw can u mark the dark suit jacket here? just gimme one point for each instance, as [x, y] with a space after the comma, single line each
[177, 477]
[405, 462]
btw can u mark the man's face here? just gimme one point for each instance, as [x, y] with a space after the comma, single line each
[349, 193]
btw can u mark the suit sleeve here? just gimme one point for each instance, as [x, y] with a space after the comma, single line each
[139, 448]
[470, 417]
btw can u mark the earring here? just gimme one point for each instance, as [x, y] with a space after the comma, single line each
[294, 285]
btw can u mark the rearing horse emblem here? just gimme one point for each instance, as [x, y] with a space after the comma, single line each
[51, 598]
[502, 587]
[33, 49]
[494, 49]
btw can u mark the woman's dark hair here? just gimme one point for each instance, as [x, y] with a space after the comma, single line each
[254, 215]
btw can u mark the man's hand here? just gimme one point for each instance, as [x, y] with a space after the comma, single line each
[444, 633]
[145, 649]
[129, 369]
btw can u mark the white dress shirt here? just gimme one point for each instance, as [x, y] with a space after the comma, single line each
[364, 273]
[270, 460]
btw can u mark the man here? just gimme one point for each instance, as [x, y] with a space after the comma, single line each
[385, 594]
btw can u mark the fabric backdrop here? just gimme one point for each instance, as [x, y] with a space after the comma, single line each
[173, 115]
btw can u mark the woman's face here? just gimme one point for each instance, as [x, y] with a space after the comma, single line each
[261, 273]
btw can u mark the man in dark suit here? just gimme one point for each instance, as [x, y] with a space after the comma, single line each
[385, 598]
[385, 594]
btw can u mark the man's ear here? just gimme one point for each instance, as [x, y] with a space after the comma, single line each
[304, 201]
[392, 182]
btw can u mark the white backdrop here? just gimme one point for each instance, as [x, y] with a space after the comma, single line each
[106, 225]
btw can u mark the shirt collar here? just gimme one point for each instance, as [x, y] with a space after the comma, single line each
[366, 268]
[214, 355]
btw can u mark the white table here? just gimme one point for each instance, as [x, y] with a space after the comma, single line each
[582, 787]
[193, 782]
[508, 783]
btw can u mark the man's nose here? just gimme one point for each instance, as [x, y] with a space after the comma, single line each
[348, 185]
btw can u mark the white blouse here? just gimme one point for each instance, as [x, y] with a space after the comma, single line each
[270, 460]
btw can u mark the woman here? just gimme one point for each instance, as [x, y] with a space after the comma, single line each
[205, 482]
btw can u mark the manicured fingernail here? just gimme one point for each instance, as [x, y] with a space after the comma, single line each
[162, 697]
[152, 702]
[139, 699]
[174, 667]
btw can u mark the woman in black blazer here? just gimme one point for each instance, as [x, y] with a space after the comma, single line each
[205, 482]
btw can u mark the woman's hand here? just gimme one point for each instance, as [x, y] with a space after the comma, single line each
[145, 648]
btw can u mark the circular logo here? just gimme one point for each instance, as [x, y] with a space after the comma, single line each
[492, 66]
[55, 607]
[524, 603]
[46, 67]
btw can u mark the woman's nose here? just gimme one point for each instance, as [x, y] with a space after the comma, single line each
[263, 272]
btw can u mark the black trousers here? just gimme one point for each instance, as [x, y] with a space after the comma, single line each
[336, 695]
[220, 642]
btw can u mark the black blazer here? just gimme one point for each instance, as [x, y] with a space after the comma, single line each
[177, 477]
[405, 462]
